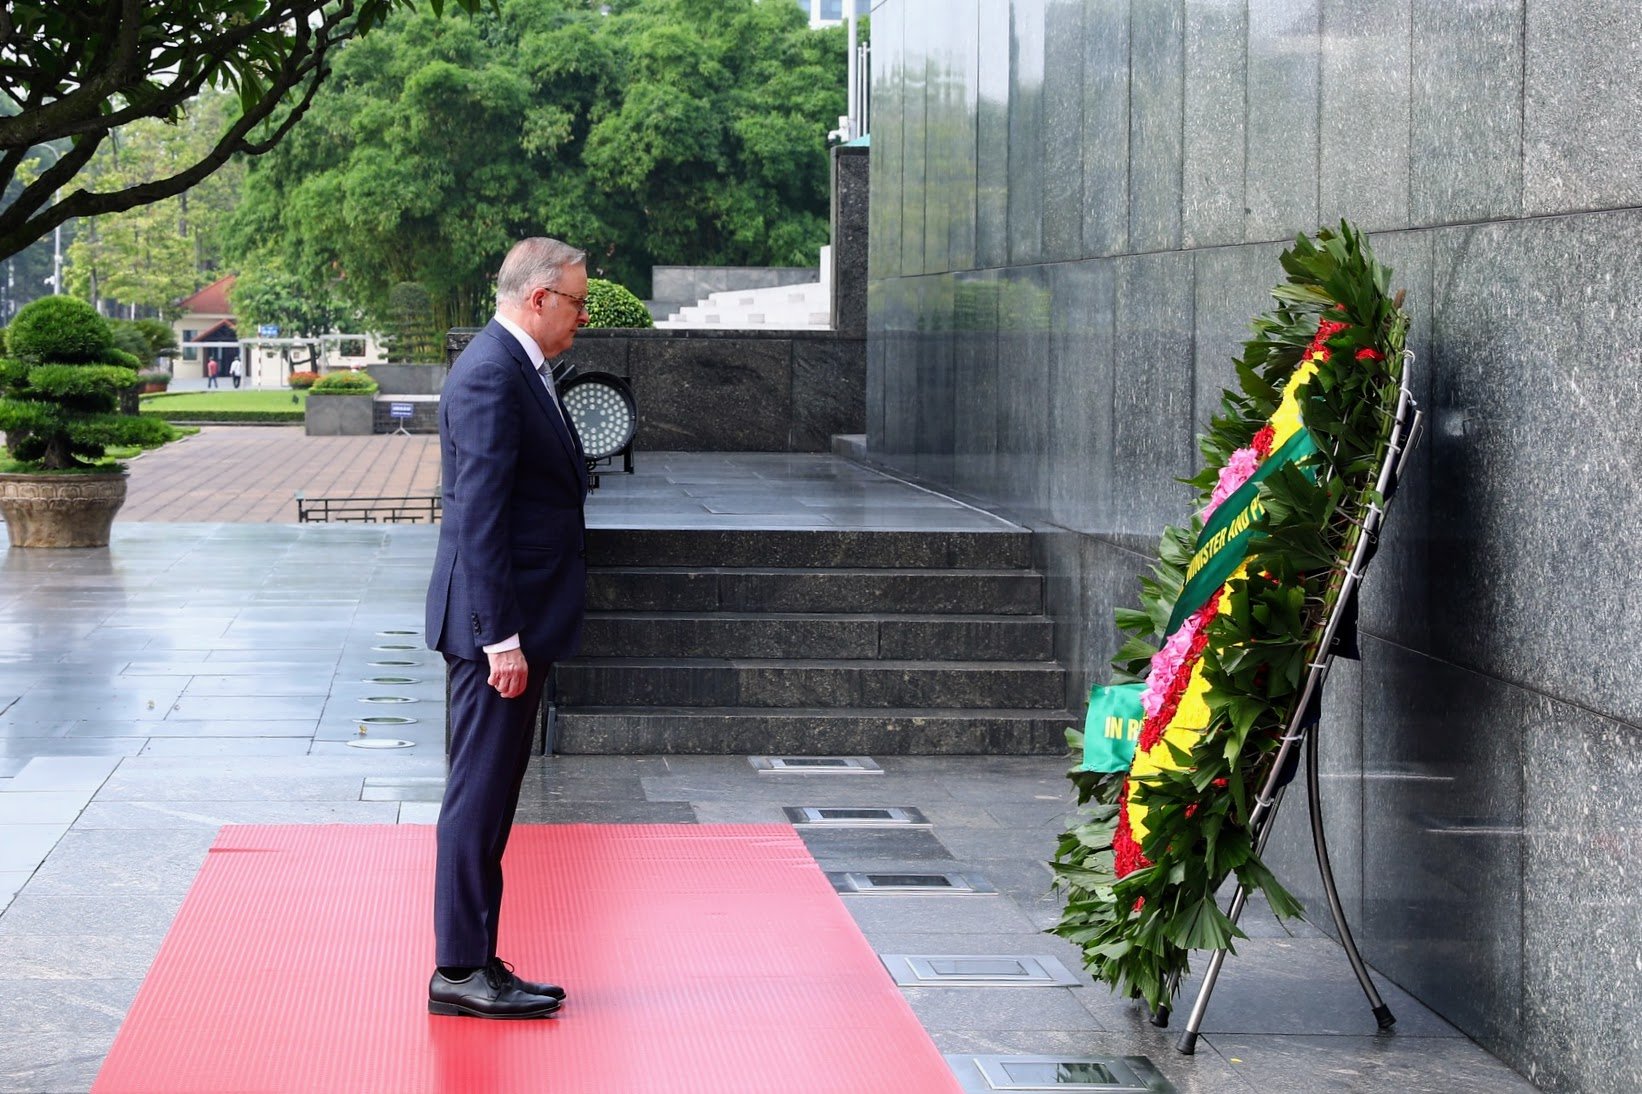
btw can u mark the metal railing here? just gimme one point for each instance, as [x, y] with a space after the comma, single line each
[410, 509]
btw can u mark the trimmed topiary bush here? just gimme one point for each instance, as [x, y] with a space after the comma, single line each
[303, 380]
[610, 305]
[60, 391]
[344, 383]
[62, 329]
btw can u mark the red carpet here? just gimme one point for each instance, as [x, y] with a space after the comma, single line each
[698, 958]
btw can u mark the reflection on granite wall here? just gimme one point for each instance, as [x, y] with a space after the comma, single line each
[707, 390]
[1076, 207]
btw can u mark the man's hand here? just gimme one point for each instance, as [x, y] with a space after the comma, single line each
[508, 673]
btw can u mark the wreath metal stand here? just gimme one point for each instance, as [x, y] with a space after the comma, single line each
[1405, 431]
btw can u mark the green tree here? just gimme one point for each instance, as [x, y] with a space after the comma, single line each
[266, 294]
[73, 73]
[666, 131]
[151, 256]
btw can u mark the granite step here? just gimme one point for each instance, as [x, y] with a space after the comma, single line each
[702, 682]
[1005, 548]
[811, 635]
[811, 732]
[767, 588]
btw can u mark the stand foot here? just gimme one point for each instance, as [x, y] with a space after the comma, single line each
[1383, 1015]
[1160, 1017]
[1187, 1044]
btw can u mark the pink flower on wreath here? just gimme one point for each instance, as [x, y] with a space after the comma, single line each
[1166, 663]
[1237, 471]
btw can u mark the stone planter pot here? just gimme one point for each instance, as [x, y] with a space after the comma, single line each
[60, 510]
[338, 416]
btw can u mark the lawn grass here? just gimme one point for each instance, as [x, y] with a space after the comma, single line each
[228, 405]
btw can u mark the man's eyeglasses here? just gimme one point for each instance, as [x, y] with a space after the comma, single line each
[579, 301]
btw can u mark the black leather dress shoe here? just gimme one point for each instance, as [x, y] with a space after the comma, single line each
[552, 991]
[490, 992]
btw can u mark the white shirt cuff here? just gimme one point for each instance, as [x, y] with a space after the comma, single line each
[510, 643]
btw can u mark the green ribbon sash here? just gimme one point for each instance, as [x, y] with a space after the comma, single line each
[1224, 542]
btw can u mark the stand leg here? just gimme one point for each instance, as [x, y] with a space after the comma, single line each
[1187, 1042]
[1382, 1013]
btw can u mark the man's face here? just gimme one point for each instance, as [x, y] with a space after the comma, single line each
[557, 313]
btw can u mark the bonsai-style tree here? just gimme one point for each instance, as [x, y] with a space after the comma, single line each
[60, 387]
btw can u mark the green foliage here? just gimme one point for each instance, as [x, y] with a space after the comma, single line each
[610, 305]
[223, 417]
[155, 254]
[413, 336]
[59, 328]
[130, 340]
[345, 383]
[266, 294]
[59, 396]
[76, 72]
[162, 340]
[663, 132]
[1137, 932]
[154, 376]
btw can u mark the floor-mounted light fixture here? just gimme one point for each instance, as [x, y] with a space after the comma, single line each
[600, 406]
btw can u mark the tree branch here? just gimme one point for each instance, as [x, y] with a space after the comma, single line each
[16, 223]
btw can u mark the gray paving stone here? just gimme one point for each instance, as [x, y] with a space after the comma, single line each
[52, 1062]
[37, 913]
[139, 815]
[1335, 1065]
[41, 807]
[23, 846]
[63, 1006]
[999, 1008]
[115, 954]
[199, 747]
[987, 914]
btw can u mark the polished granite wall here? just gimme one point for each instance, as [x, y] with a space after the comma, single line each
[1077, 205]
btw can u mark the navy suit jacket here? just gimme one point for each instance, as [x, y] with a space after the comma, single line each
[512, 545]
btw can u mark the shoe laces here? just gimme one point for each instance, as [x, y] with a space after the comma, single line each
[499, 973]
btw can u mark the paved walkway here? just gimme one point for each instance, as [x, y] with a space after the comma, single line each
[253, 473]
[208, 673]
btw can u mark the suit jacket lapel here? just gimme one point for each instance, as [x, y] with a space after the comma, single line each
[533, 381]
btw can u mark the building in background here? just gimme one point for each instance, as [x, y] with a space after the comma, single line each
[827, 13]
[206, 331]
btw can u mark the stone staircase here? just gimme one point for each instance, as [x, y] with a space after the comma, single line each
[805, 306]
[813, 642]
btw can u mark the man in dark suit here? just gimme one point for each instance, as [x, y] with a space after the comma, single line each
[505, 602]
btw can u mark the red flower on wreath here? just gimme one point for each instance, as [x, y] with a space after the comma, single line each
[1126, 856]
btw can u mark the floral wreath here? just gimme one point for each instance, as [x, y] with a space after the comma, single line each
[1230, 620]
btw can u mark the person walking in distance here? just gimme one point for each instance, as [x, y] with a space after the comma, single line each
[506, 600]
[211, 373]
[235, 370]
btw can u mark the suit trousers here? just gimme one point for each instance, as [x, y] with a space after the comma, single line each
[490, 745]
